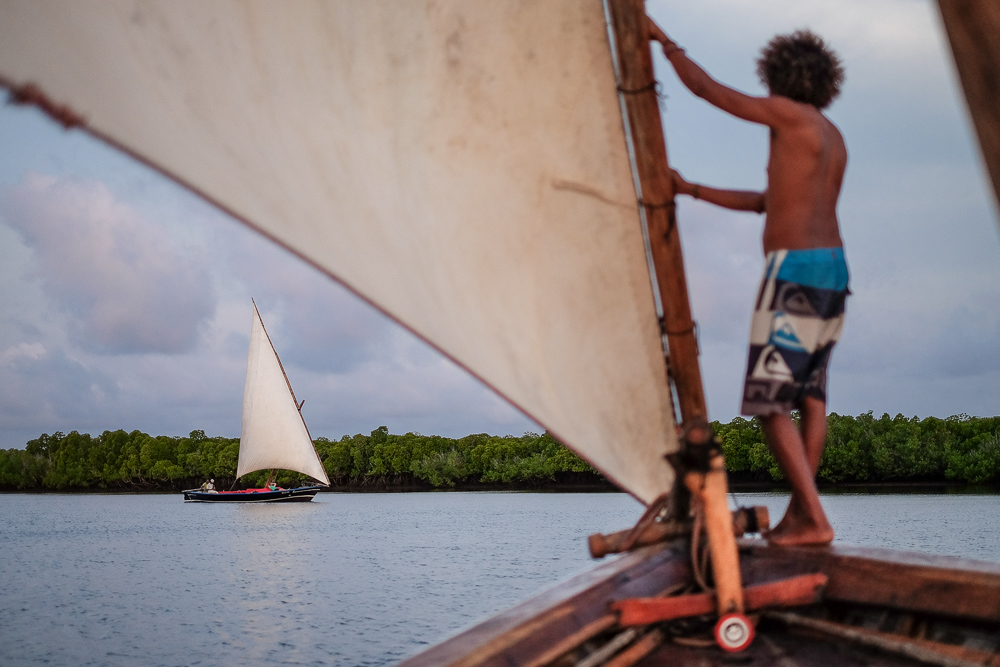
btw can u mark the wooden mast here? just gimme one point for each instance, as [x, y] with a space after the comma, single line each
[637, 82]
[973, 28]
[705, 475]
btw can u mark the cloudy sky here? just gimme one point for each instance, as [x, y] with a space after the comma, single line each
[125, 300]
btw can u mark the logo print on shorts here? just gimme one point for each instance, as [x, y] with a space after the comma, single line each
[771, 366]
[783, 334]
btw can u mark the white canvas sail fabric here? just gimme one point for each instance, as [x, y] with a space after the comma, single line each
[273, 434]
[461, 165]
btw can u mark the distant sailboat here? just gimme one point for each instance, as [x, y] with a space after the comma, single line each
[274, 435]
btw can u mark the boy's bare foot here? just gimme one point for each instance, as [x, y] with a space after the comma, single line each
[794, 530]
[800, 536]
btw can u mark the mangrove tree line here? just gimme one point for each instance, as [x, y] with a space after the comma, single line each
[865, 449]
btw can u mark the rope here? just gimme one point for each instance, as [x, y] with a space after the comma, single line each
[681, 332]
[699, 556]
[653, 86]
[666, 206]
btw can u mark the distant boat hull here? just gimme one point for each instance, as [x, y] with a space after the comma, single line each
[302, 494]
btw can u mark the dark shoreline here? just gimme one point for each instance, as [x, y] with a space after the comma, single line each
[594, 486]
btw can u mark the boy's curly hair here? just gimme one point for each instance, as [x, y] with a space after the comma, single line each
[802, 67]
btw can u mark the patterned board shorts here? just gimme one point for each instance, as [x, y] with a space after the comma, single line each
[798, 318]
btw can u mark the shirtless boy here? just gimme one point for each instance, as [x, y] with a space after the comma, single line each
[799, 310]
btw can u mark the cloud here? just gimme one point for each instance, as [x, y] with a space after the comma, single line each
[410, 387]
[883, 32]
[314, 321]
[43, 390]
[125, 285]
[354, 366]
[22, 351]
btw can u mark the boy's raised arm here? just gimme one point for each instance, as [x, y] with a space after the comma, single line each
[771, 111]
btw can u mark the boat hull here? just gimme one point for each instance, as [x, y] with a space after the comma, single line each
[880, 608]
[302, 494]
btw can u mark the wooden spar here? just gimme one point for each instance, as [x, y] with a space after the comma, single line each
[745, 520]
[797, 591]
[637, 84]
[973, 27]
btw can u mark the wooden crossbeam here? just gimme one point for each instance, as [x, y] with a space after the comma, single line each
[802, 590]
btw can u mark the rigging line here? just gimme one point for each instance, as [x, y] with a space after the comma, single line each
[668, 206]
[653, 86]
[698, 551]
[636, 182]
[680, 332]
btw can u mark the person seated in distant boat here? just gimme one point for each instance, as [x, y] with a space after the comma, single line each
[210, 486]
[204, 486]
[800, 305]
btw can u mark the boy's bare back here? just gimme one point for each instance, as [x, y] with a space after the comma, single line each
[806, 166]
[804, 173]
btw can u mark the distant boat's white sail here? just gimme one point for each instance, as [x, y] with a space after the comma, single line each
[462, 165]
[273, 435]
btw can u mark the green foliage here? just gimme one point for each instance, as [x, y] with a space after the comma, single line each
[869, 449]
[859, 449]
[117, 460]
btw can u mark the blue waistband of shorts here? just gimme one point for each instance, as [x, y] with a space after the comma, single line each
[823, 268]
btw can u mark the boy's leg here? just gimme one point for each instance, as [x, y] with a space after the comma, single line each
[812, 426]
[804, 521]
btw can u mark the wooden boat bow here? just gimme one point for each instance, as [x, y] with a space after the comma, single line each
[878, 606]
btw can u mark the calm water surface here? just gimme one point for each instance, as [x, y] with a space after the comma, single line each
[345, 580]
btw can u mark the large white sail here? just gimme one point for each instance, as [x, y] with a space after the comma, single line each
[461, 165]
[273, 434]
